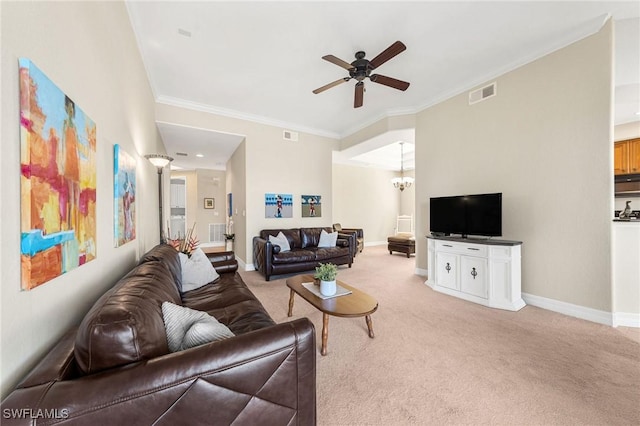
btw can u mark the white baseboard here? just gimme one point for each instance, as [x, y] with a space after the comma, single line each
[614, 319]
[582, 312]
[421, 272]
[624, 319]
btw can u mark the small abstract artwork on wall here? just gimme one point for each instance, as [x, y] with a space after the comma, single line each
[278, 205]
[311, 206]
[124, 196]
[57, 181]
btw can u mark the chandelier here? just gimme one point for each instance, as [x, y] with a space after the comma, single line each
[402, 182]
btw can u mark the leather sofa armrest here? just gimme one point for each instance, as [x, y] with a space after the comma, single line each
[262, 256]
[213, 381]
[359, 232]
[224, 261]
[351, 238]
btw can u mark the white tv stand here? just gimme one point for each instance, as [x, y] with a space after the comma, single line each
[478, 270]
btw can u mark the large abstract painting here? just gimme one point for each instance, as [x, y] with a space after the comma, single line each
[57, 182]
[278, 205]
[124, 193]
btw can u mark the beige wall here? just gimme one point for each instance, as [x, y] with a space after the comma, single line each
[237, 186]
[272, 165]
[545, 142]
[201, 184]
[211, 184]
[88, 50]
[364, 198]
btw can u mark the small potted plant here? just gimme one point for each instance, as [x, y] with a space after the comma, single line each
[327, 273]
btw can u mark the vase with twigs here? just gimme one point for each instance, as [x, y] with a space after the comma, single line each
[188, 244]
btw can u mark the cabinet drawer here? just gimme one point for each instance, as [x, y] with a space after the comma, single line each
[462, 248]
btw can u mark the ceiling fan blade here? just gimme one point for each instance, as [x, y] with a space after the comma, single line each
[330, 85]
[388, 53]
[357, 101]
[388, 81]
[339, 62]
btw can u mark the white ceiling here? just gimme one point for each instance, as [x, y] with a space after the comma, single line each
[261, 60]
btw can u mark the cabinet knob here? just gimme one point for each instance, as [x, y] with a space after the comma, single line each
[474, 273]
[448, 267]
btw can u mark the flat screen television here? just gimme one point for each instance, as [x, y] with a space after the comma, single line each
[478, 214]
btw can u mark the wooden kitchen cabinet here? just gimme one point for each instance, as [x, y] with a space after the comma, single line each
[626, 157]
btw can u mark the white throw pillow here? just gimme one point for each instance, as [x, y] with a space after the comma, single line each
[197, 270]
[187, 328]
[327, 240]
[280, 240]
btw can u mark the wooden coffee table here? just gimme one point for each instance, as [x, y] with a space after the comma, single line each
[356, 304]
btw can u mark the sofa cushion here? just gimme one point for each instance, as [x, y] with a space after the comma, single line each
[125, 325]
[327, 239]
[294, 256]
[187, 328]
[328, 253]
[280, 241]
[197, 270]
[231, 302]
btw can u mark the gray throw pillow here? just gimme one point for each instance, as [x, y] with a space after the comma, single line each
[280, 240]
[197, 270]
[328, 239]
[187, 328]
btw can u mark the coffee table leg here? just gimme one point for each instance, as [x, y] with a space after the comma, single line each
[325, 333]
[369, 326]
[291, 303]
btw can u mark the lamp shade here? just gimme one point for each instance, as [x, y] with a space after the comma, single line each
[159, 160]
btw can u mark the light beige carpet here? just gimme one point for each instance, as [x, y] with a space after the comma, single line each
[439, 360]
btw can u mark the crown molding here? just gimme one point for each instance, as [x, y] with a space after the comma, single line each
[196, 106]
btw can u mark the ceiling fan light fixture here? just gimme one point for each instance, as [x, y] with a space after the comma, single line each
[361, 68]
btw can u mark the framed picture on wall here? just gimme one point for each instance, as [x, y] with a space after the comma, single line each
[311, 206]
[278, 205]
[209, 203]
[229, 204]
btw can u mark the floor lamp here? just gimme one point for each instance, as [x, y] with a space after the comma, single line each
[160, 161]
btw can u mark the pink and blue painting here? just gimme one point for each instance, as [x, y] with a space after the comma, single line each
[278, 205]
[124, 193]
[57, 181]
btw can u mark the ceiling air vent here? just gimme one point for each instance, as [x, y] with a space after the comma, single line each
[182, 154]
[483, 93]
[288, 135]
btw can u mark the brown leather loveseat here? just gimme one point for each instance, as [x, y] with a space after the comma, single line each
[304, 253]
[116, 368]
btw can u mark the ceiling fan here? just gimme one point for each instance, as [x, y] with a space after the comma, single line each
[361, 68]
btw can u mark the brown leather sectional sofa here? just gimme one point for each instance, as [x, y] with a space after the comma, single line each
[304, 255]
[115, 368]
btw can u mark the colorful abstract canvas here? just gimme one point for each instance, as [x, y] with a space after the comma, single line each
[124, 193]
[57, 182]
[278, 205]
[311, 206]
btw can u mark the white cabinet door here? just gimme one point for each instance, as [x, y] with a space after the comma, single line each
[473, 276]
[447, 270]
